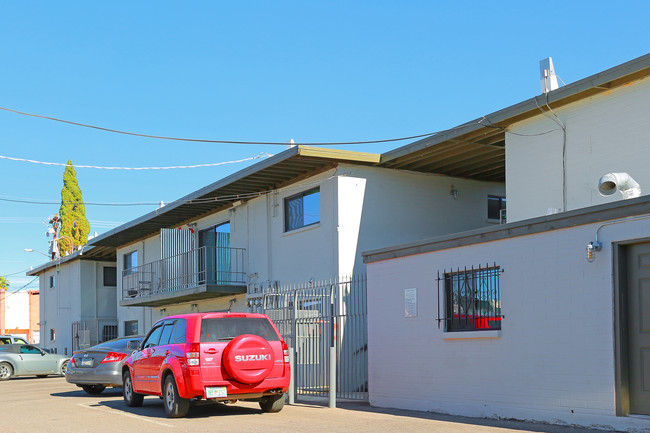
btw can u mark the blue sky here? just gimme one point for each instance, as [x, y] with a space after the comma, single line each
[259, 71]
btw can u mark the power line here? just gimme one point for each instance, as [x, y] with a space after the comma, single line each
[7, 294]
[197, 140]
[222, 198]
[16, 273]
[261, 155]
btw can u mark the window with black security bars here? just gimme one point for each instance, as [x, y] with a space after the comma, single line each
[471, 299]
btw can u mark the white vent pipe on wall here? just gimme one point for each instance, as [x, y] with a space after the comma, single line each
[623, 182]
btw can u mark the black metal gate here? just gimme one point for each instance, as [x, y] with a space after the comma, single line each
[314, 316]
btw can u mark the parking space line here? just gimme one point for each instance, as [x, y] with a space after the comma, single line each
[130, 415]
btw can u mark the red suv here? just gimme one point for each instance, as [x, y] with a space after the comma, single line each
[213, 356]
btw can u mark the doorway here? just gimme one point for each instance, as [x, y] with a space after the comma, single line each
[214, 260]
[633, 330]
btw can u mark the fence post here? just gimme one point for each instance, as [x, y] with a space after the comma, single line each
[292, 381]
[332, 402]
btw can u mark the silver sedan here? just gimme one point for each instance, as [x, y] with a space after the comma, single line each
[29, 360]
[96, 368]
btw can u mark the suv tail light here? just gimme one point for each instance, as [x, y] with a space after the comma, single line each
[285, 351]
[192, 354]
[113, 357]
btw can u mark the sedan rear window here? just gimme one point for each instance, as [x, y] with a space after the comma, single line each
[227, 328]
[117, 344]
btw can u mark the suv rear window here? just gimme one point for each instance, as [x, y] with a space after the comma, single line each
[224, 329]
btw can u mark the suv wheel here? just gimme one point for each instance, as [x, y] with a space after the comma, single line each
[272, 403]
[175, 406]
[131, 398]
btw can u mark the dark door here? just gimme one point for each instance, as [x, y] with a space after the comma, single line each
[639, 328]
[214, 244]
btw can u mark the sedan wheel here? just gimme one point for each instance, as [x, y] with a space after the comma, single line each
[93, 389]
[175, 406]
[6, 371]
[64, 367]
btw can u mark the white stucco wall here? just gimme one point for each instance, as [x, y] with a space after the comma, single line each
[381, 207]
[360, 208]
[605, 133]
[78, 295]
[553, 360]
[60, 305]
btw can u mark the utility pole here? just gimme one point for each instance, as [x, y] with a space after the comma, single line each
[55, 221]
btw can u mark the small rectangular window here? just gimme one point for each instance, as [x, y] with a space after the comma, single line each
[52, 281]
[130, 262]
[302, 209]
[110, 276]
[130, 327]
[496, 207]
[472, 299]
[52, 334]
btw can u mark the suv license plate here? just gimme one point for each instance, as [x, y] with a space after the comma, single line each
[215, 392]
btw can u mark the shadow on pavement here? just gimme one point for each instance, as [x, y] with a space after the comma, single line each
[484, 422]
[78, 392]
[153, 407]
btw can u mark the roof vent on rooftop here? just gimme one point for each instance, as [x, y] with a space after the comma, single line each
[547, 75]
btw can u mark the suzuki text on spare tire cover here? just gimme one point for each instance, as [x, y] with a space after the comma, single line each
[222, 357]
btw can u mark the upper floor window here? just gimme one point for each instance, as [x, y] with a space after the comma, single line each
[110, 276]
[130, 261]
[52, 281]
[302, 209]
[496, 207]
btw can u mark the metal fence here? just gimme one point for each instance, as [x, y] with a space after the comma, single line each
[312, 317]
[89, 333]
[201, 266]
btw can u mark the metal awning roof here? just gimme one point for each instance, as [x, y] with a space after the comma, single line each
[97, 254]
[476, 149]
[290, 166]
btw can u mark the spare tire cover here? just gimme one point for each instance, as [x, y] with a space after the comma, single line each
[248, 358]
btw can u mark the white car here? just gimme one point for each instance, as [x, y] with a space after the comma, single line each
[29, 360]
[11, 339]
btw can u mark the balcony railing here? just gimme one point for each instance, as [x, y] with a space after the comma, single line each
[205, 266]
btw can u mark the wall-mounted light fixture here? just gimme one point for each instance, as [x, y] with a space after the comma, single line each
[163, 311]
[453, 192]
[591, 248]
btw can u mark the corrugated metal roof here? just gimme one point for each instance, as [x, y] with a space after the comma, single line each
[97, 254]
[476, 149]
[290, 166]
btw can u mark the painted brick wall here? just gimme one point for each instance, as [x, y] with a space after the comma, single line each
[553, 360]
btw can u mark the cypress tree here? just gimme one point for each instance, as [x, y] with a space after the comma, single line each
[74, 224]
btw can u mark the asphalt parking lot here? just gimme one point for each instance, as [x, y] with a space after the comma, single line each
[53, 405]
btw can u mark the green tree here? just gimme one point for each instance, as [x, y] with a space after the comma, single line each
[74, 224]
[4, 283]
